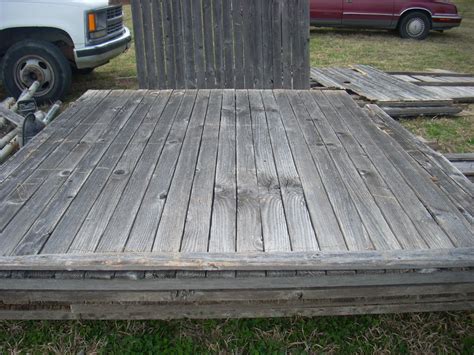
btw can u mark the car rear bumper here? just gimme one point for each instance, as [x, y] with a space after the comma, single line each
[94, 56]
[443, 22]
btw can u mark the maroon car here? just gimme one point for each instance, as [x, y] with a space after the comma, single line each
[412, 18]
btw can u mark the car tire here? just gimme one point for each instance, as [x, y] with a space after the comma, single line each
[415, 25]
[31, 60]
[84, 71]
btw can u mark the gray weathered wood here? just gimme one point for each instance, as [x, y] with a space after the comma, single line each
[323, 217]
[143, 233]
[223, 226]
[171, 227]
[198, 219]
[222, 43]
[318, 260]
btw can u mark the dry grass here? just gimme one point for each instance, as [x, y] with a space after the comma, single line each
[430, 333]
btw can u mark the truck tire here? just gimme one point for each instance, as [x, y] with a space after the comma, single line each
[31, 60]
[415, 25]
[85, 71]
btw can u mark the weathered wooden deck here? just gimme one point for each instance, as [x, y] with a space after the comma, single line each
[214, 190]
[398, 95]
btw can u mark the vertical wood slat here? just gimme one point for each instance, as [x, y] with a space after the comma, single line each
[252, 44]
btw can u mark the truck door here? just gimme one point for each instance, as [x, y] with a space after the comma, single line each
[326, 12]
[368, 13]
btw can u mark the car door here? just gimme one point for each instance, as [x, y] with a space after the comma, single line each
[368, 13]
[326, 12]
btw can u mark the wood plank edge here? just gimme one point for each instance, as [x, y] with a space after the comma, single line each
[362, 260]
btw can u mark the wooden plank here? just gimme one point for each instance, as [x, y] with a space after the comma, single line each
[286, 39]
[274, 228]
[301, 231]
[66, 229]
[148, 42]
[237, 26]
[430, 73]
[397, 85]
[218, 42]
[444, 83]
[277, 66]
[365, 88]
[453, 182]
[33, 154]
[305, 52]
[224, 312]
[375, 87]
[159, 43]
[222, 43]
[199, 60]
[267, 43]
[443, 210]
[42, 196]
[209, 45]
[223, 227]
[249, 224]
[322, 215]
[317, 260]
[355, 234]
[459, 156]
[148, 217]
[93, 227]
[11, 116]
[19, 189]
[170, 43]
[199, 213]
[117, 232]
[257, 43]
[298, 38]
[321, 77]
[397, 277]
[421, 111]
[138, 33]
[171, 227]
[249, 55]
[392, 180]
[228, 44]
[384, 217]
[189, 44]
[176, 297]
[177, 25]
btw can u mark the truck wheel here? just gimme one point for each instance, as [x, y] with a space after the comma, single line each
[415, 25]
[31, 60]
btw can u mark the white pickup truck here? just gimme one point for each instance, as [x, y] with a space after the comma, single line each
[46, 40]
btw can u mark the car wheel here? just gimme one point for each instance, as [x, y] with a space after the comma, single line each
[415, 25]
[28, 61]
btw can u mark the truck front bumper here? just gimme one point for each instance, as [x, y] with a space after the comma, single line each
[94, 56]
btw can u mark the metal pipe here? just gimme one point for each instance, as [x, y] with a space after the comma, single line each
[53, 111]
[27, 94]
[8, 150]
[40, 115]
[8, 137]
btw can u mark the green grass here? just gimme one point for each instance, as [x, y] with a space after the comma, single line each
[451, 50]
[414, 333]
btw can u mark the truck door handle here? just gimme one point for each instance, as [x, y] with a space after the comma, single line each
[349, 1]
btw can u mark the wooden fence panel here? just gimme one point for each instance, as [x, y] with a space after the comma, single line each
[253, 44]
